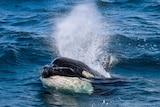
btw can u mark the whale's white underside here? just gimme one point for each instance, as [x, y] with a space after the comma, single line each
[72, 84]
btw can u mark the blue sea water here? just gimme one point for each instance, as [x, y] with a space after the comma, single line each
[130, 30]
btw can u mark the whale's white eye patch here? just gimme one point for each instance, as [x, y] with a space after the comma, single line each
[87, 74]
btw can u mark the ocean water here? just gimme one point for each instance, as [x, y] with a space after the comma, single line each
[34, 32]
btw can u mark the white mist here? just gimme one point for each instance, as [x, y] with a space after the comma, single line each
[80, 36]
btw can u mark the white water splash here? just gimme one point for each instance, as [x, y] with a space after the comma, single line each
[81, 36]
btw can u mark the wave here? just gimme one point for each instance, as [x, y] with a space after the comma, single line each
[134, 50]
[112, 1]
[155, 7]
[120, 1]
[135, 5]
[142, 60]
[25, 23]
[24, 49]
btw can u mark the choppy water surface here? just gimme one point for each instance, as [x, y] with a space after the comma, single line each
[33, 32]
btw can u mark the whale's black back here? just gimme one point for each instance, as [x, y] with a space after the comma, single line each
[77, 66]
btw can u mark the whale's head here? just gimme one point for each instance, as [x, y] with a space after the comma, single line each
[52, 70]
[66, 67]
[67, 74]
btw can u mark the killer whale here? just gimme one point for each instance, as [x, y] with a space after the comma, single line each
[69, 75]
